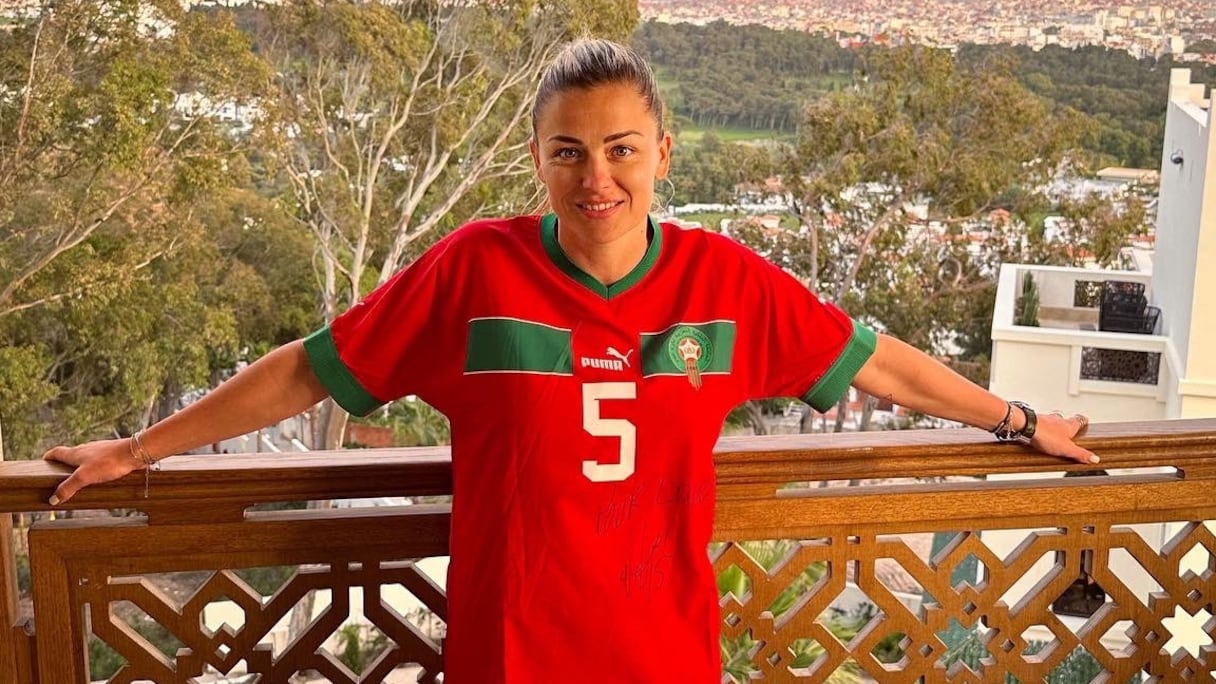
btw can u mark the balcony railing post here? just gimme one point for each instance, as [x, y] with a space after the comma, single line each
[63, 657]
[8, 611]
[8, 584]
[15, 641]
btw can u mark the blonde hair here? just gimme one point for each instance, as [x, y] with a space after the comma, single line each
[590, 62]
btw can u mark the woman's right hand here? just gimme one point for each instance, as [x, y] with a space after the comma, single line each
[100, 461]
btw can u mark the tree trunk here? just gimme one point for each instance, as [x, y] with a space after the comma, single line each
[756, 416]
[841, 407]
[301, 618]
[328, 425]
[807, 425]
[166, 403]
[867, 412]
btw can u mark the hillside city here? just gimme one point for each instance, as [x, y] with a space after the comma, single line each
[1144, 30]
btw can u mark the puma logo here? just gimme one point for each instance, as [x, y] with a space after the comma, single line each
[618, 362]
[623, 357]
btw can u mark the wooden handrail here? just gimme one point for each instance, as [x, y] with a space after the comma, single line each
[745, 465]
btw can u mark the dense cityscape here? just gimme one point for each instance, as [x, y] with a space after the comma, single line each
[1143, 30]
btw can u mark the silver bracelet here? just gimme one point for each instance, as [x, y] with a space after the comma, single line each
[139, 453]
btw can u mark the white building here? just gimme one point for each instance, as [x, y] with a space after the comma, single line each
[1082, 356]
[240, 115]
[1079, 367]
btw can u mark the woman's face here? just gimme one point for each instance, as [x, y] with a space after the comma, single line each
[598, 151]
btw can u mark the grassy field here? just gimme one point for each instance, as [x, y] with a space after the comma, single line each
[711, 220]
[689, 133]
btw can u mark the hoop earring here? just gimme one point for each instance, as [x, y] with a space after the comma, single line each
[538, 202]
[671, 195]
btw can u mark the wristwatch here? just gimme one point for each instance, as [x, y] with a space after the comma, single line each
[1005, 433]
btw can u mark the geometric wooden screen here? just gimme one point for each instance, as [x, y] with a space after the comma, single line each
[226, 647]
[790, 636]
[964, 630]
[339, 550]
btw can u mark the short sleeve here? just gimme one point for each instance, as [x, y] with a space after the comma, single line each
[399, 340]
[802, 347]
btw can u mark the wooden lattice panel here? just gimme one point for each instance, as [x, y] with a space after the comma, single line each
[102, 564]
[977, 608]
[224, 648]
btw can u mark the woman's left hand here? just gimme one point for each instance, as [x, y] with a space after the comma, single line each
[1055, 434]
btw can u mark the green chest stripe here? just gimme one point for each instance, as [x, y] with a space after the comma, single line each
[709, 346]
[508, 345]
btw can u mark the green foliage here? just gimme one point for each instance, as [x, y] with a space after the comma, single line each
[97, 129]
[360, 647]
[710, 171]
[24, 390]
[973, 334]
[736, 654]
[1098, 227]
[1126, 97]
[139, 337]
[924, 128]
[263, 271]
[1206, 46]
[768, 554]
[266, 580]
[742, 76]
[1028, 303]
[24, 579]
[150, 249]
[612, 19]
[107, 305]
[692, 134]
[926, 124]
[1078, 667]
[843, 626]
[414, 423]
[395, 122]
[104, 661]
[758, 78]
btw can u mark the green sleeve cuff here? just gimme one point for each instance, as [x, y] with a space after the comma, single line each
[835, 382]
[335, 376]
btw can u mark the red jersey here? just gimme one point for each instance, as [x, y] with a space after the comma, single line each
[583, 422]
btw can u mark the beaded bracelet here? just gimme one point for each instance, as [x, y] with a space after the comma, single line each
[139, 453]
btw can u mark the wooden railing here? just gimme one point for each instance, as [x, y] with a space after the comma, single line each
[780, 616]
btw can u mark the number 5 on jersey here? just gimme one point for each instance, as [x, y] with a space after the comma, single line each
[598, 426]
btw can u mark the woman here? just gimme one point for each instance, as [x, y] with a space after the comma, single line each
[586, 360]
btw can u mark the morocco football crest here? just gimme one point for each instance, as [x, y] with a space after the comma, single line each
[690, 350]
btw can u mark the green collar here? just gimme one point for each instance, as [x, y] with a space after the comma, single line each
[548, 236]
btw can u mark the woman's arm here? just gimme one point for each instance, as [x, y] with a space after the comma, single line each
[906, 376]
[276, 386]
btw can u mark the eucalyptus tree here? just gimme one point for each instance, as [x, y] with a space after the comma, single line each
[1097, 227]
[93, 123]
[395, 122]
[100, 167]
[917, 129]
